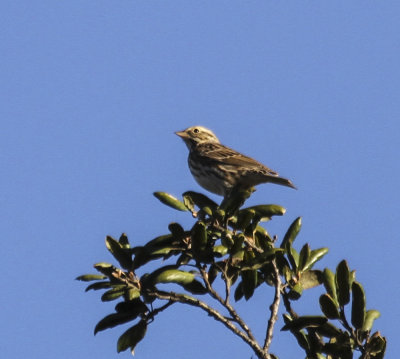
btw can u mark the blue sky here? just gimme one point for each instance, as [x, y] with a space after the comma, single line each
[91, 93]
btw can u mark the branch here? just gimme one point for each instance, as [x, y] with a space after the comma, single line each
[274, 308]
[186, 299]
[226, 305]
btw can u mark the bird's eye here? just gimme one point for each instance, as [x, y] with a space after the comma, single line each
[196, 130]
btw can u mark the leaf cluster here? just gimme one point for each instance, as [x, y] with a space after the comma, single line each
[228, 243]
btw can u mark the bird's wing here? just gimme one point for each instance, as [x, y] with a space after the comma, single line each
[223, 155]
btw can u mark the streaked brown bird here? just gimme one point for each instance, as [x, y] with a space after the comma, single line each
[219, 169]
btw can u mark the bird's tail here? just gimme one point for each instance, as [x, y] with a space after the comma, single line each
[280, 180]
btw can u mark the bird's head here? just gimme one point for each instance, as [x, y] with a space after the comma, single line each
[195, 135]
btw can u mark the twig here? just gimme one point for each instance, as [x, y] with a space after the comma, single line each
[274, 309]
[225, 304]
[186, 299]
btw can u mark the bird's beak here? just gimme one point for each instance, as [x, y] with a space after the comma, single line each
[182, 134]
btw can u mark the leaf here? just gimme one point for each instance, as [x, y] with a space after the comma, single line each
[177, 231]
[195, 287]
[199, 241]
[90, 277]
[304, 256]
[98, 285]
[329, 284]
[343, 282]
[112, 320]
[112, 294]
[314, 257]
[119, 253]
[370, 317]
[237, 197]
[123, 241]
[200, 200]
[266, 211]
[291, 233]
[132, 337]
[293, 257]
[328, 307]
[249, 282]
[244, 218]
[220, 250]
[307, 321]
[357, 305]
[170, 201]
[328, 330]
[105, 268]
[172, 276]
[310, 279]
[295, 292]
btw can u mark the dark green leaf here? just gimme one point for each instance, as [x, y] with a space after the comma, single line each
[90, 277]
[266, 211]
[123, 241]
[195, 287]
[328, 307]
[328, 330]
[171, 201]
[357, 305]
[112, 294]
[291, 234]
[293, 257]
[307, 321]
[98, 285]
[311, 279]
[314, 257]
[370, 317]
[295, 292]
[343, 282]
[112, 320]
[176, 230]
[131, 337]
[135, 306]
[329, 284]
[304, 256]
[105, 268]
[200, 200]
[120, 254]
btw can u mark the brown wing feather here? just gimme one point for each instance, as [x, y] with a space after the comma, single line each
[229, 157]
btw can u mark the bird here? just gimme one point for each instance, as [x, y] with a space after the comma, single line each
[219, 169]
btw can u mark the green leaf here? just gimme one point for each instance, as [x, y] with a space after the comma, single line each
[314, 257]
[310, 279]
[172, 276]
[112, 320]
[112, 294]
[105, 268]
[296, 291]
[170, 200]
[370, 317]
[220, 250]
[132, 336]
[238, 292]
[237, 197]
[291, 234]
[212, 273]
[249, 282]
[98, 285]
[135, 306]
[90, 277]
[328, 307]
[307, 321]
[328, 330]
[200, 200]
[304, 256]
[266, 211]
[343, 282]
[293, 257]
[244, 218]
[329, 284]
[119, 253]
[358, 305]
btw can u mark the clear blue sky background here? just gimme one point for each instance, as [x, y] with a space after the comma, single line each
[91, 93]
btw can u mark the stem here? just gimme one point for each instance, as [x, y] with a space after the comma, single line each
[226, 305]
[186, 299]
[274, 309]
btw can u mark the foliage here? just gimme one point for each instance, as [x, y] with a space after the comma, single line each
[227, 243]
